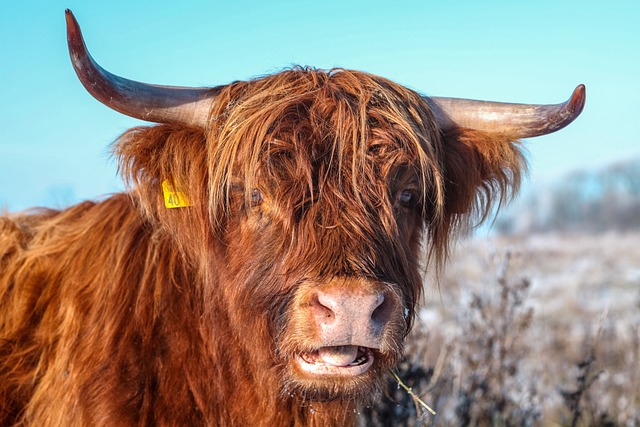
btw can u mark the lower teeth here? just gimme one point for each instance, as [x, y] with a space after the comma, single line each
[312, 360]
[358, 361]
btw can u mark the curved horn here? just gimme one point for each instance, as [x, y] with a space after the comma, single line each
[519, 120]
[159, 104]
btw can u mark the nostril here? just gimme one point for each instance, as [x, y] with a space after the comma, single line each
[381, 312]
[327, 300]
[379, 300]
[323, 306]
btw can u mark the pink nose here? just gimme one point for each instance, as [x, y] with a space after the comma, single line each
[345, 317]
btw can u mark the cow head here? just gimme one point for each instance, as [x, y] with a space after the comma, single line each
[314, 198]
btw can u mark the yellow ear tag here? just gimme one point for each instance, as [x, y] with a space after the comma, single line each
[173, 196]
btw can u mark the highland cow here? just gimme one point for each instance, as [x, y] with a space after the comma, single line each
[263, 267]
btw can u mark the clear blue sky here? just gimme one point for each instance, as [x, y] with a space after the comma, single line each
[54, 137]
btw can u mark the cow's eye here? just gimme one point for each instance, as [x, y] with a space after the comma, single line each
[406, 198]
[256, 197]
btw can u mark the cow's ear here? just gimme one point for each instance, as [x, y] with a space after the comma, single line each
[480, 169]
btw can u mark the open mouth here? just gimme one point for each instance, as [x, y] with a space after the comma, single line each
[345, 360]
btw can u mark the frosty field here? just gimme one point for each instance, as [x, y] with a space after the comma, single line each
[540, 329]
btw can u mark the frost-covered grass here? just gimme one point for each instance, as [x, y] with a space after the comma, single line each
[529, 330]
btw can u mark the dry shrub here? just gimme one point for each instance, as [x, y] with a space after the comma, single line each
[603, 388]
[480, 357]
[490, 351]
[481, 384]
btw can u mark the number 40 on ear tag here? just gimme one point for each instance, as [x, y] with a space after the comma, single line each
[173, 196]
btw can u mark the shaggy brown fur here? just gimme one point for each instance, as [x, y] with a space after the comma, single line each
[123, 312]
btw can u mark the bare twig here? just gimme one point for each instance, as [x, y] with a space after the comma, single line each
[412, 394]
